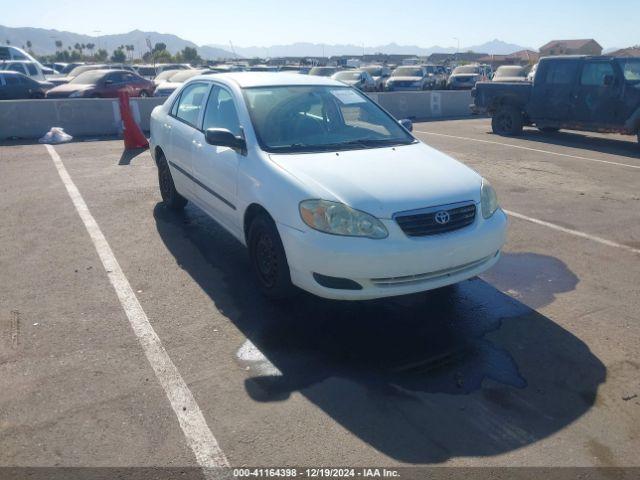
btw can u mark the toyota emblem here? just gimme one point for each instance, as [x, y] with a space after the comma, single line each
[442, 217]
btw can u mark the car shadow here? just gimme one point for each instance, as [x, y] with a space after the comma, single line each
[462, 371]
[622, 147]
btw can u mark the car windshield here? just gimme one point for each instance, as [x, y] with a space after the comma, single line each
[303, 118]
[407, 72]
[466, 70]
[631, 69]
[89, 78]
[347, 76]
[374, 71]
[510, 72]
[83, 68]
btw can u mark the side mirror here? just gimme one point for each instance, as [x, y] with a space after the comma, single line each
[406, 123]
[608, 80]
[222, 137]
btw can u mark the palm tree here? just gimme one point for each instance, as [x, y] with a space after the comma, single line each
[8, 42]
[90, 47]
[58, 44]
[29, 44]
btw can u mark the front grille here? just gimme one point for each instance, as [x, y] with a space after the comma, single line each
[420, 223]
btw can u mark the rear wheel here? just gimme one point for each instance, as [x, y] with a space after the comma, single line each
[170, 195]
[507, 121]
[268, 259]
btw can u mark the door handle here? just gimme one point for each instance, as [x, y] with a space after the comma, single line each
[167, 126]
[196, 143]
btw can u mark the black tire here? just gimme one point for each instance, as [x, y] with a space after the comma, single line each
[268, 259]
[548, 129]
[507, 121]
[170, 196]
[144, 94]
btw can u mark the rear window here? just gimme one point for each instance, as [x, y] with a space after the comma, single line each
[4, 53]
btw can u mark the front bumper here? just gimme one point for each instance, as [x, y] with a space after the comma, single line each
[396, 265]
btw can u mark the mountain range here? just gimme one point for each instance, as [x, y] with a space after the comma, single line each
[303, 49]
[43, 43]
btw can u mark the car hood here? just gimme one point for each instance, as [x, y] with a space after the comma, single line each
[70, 88]
[168, 86]
[383, 181]
[405, 79]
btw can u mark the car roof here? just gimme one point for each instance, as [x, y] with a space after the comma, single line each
[269, 79]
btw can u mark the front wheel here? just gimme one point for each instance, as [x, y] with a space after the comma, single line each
[268, 259]
[144, 94]
[170, 195]
[507, 121]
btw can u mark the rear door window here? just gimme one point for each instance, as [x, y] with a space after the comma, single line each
[594, 73]
[32, 69]
[561, 72]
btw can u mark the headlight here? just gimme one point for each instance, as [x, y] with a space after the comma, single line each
[340, 219]
[488, 199]
[76, 94]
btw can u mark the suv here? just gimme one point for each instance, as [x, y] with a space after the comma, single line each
[26, 67]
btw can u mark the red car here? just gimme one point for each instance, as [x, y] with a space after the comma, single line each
[103, 84]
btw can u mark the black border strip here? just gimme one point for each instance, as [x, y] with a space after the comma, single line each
[188, 175]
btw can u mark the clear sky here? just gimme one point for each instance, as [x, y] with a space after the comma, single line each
[614, 23]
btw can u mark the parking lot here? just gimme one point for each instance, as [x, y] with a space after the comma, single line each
[534, 364]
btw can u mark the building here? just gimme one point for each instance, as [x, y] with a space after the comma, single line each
[627, 52]
[571, 47]
[455, 58]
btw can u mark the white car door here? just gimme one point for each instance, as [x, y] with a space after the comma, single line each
[179, 129]
[215, 168]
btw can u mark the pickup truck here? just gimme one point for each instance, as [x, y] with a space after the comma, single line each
[598, 94]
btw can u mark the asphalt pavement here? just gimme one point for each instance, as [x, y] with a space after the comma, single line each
[536, 363]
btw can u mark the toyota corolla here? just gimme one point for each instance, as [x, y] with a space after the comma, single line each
[327, 190]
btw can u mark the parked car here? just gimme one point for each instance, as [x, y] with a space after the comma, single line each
[464, 77]
[379, 73]
[26, 67]
[15, 86]
[323, 71]
[167, 87]
[408, 78]
[165, 76]
[59, 80]
[328, 191]
[103, 83]
[580, 93]
[173, 66]
[10, 52]
[359, 79]
[437, 76]
[510, 73]
[147, 71]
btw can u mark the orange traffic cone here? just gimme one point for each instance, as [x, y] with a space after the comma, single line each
[133, 136]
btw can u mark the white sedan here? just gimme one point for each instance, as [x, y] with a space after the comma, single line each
[327, 190]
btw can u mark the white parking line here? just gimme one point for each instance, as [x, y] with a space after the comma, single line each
[530, 149]
[577, 233]
[199, 437]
